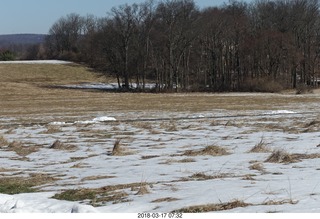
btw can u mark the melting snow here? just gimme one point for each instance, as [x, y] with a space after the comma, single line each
[281, 112]
[157, 154]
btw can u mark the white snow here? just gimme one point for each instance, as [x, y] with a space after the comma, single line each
[156, 154]
[96, 120]
[281, 112]
[104, 86]
[40, 203]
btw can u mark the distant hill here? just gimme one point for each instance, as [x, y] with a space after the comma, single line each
[21, 39]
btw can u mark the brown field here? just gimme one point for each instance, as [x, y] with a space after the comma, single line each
[25, 92]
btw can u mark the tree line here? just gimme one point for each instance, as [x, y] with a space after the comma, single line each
[267, 45]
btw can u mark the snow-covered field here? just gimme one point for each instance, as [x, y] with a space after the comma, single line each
[166, 166]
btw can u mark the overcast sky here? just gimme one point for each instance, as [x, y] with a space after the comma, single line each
[37, 16]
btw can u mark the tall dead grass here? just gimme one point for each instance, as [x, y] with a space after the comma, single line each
[261, 147]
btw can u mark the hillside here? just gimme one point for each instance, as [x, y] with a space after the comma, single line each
[21, 39]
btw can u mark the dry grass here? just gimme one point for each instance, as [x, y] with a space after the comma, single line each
[209, 150]
[3, 141]
[279, 202]
[257, 166]
[19, 84]
[91, 178]
[313, 126]
[171, 161]
[20, 149]
[146, 157]
[280, 156]
[58, 145]
[51, 130]
[99, 196]
[202, 176]
[213, 207]
[117, 149]
[143, 190]
[15, 185]
[2, 170]
[261, 147]
[167, 199]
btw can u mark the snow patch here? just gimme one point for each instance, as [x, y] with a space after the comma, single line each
[281, 112]
[105, 86]
[40, 202]
[92, 121]
[57, 123]
[96, 120]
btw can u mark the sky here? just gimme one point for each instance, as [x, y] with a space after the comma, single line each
[37, 16]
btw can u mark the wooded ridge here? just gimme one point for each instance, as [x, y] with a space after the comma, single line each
[267, 45]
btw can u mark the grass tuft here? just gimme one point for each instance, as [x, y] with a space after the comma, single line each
[203, 176]
[3, 141]
[261, 147]
[257, 166]
[280, 156]
[117, 149]
[209, 150]
[58, 145]
[143, 190]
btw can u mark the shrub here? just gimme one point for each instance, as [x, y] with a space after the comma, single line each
[303, 89]
[261, 85]
[7, 56]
